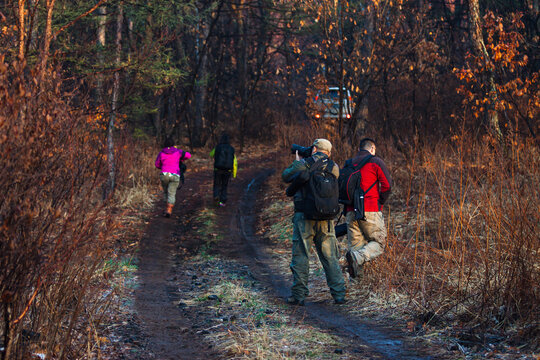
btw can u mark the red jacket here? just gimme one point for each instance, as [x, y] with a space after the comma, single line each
[373, 171]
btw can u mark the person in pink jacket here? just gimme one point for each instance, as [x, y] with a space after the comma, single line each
[168, 161]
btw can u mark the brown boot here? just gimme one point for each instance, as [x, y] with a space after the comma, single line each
[168, 212]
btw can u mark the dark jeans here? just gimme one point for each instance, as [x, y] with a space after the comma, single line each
[221, 180]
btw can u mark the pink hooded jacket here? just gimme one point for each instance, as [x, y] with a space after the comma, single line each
[168, 160]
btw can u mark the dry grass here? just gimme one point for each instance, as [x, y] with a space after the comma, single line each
[259, 329]
[137, 191]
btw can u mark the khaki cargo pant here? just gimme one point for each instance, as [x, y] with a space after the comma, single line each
[170, 183]
[366, 238]
[322, 235]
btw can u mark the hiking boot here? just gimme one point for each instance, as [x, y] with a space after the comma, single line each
[168, 212]
[352, 266]
[340, 301]
[291, 300]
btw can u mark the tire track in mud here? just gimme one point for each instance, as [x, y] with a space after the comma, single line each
[381, 343]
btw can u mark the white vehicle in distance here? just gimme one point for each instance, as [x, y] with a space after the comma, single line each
[327, 104]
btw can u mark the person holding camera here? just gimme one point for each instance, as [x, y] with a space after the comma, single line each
[313, 178]
[170, 161]
[366, 237]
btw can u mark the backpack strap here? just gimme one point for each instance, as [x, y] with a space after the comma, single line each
[309, 162]
[361, 163]
[313, 164]
[369, 188]
[359, 166]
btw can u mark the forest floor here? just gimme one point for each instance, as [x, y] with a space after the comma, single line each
[211, 283]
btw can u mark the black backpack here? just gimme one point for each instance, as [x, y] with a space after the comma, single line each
[350, 191]
[183, 166]
[321, 200]
[224, 157]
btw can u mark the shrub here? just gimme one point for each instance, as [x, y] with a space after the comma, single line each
[54, 225]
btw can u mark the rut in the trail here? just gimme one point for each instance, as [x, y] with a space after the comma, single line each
[382, 342]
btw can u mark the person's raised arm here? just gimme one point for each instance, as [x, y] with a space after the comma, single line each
[297, 165]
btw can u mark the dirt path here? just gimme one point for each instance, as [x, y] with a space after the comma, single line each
[168, 334]
[175, 331]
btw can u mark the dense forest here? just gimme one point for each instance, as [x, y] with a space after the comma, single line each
[89, 88]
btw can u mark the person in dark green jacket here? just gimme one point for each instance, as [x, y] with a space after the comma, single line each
[313, 232]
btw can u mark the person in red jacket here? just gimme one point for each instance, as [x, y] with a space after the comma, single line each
[366, 238]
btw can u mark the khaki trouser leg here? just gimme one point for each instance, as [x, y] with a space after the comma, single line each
[366, 238]
[170, 184]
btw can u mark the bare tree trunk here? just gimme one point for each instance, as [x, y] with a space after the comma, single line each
[101, 35]
[22, 30]
[114, 106]
[191, 84]
[101, 25]
[475, 29]
[199, 92]
[360, 125]
[341, 70]
[9, 333]
[48, 37]
[157, 118]
[214, 105]
[242, 69]
[32, 41]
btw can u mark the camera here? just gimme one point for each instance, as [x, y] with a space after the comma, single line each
[303, 151]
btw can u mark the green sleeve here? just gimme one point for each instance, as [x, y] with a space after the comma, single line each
[213, 152]
[293, 169]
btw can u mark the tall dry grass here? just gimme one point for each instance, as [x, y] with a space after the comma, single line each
[464, 227]
[136, 191]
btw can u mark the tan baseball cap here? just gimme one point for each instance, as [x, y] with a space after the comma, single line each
[323, 144]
